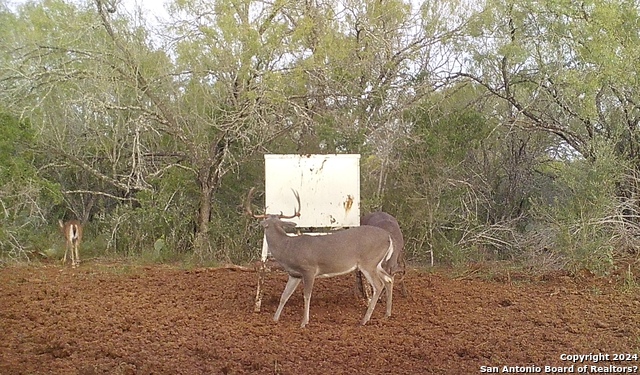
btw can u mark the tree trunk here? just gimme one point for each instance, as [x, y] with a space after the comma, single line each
[209, 175]
[201, 244]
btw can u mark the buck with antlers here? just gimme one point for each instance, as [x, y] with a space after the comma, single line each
[307, 257]
[72, 231]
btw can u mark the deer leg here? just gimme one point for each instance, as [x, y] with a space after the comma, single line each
[368, 291]
[262, 269]
[77, 253]
[388, 285]
[405, 292]
[291, 286]
[359, 284]
[377, 284]
[403, 271]
[308, 288]
[66, 249]
[75, 259]
[363, 289]
[73, 254]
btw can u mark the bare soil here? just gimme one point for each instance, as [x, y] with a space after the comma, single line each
[126, 319]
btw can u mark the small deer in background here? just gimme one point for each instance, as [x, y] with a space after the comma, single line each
[72, 231]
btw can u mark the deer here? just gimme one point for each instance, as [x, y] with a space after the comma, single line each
[397, 262]
[305, 257]
[390, 224]
[72, 231]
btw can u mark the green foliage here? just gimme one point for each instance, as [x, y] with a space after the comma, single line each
[234, 237]
[512, 146]
[579, 209]
[562, 68]
[15, 143]
[161, 225]
[433, 195]
[450, 135]
[24, 196]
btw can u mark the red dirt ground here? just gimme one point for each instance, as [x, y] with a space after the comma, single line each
[124, 319]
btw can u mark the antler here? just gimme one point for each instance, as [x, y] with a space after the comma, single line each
[247, 207]
[296, 212]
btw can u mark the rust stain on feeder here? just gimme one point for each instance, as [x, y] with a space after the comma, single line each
[348, 204]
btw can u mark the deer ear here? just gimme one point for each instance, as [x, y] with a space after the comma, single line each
[264, 223]
[288, 224]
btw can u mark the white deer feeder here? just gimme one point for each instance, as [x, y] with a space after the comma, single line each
[329, 190]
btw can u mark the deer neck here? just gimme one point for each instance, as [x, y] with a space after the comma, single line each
[277, 240]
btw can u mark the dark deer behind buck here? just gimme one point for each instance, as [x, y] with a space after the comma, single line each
[307, 257]
[397, 263]
[390, 224]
